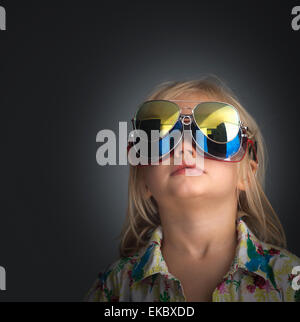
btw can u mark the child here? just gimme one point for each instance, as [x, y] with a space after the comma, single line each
[213, 236]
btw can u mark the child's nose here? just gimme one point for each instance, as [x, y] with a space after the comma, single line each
[186, 147]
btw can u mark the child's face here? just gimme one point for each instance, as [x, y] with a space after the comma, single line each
[219, 178]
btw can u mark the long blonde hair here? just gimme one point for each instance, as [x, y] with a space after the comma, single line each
[142, 214]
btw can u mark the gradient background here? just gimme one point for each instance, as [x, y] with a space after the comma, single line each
[70, 70]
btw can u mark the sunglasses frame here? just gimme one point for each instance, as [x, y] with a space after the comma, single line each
[242, 127]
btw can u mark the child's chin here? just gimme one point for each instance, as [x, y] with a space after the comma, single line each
[192, 190]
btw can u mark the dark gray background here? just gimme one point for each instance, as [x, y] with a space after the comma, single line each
[68, 70]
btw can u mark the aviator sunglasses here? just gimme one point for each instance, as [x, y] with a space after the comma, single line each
[216, 130]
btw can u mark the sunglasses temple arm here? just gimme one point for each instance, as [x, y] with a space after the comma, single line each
[254, 149]
[130, 144]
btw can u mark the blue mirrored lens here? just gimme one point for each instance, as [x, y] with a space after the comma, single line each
[166, 144]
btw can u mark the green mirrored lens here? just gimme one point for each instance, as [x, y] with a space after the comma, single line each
[217, 121]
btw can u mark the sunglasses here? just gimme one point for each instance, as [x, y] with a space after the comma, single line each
[216, 130]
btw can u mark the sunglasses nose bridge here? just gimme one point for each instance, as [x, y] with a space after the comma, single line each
[186, 119]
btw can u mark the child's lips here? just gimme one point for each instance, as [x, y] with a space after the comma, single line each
[192, 170]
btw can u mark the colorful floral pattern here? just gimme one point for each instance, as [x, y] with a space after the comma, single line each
[260, 272]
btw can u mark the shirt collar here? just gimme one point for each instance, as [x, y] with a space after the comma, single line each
[250, 255]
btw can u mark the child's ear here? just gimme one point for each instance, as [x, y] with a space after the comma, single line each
[241, 183]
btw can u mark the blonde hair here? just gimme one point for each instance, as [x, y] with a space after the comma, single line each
[142, 214]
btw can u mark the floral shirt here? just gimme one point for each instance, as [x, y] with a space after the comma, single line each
[260, 272]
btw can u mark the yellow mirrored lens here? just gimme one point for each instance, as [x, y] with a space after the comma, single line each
[157, 115]
[218, 121]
